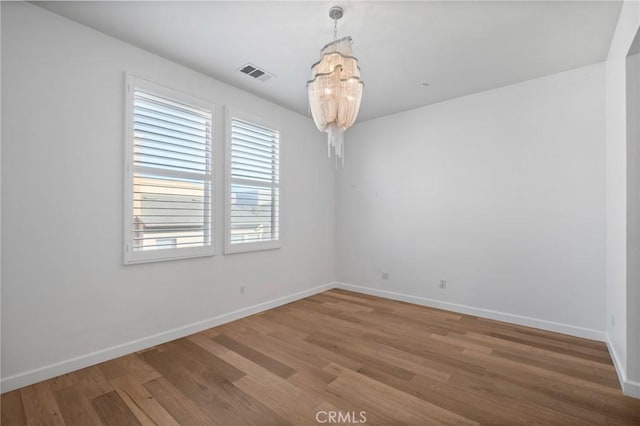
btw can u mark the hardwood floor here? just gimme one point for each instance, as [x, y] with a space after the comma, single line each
[346, 355]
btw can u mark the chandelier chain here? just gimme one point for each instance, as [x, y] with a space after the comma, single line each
[335, 29]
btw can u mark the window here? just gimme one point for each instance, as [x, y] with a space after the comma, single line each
[253, 184]
[168, 174]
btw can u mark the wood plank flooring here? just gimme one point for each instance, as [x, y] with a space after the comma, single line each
[344, 357]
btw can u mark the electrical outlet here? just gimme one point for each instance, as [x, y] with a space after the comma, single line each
[443, 284]
[385, 275]
[241, 289]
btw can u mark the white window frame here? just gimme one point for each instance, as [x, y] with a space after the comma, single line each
[230, 248]
[130, 256]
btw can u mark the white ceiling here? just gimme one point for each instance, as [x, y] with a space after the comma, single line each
[459, 48]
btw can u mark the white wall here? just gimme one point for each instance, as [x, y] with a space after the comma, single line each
[618, 327]
[633, 219]
[500, 193]
[0, 194]
[65, 292]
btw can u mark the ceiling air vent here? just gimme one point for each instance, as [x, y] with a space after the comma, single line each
[255, 72]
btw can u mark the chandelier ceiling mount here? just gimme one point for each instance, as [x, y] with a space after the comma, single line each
[336, 12]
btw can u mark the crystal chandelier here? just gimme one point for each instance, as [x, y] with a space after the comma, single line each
[335, 88]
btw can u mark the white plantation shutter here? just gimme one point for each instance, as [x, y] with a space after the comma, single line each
[169, 175]
[253, 208]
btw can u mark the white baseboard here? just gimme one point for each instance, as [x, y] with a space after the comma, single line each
[622, 375]
[629, 387]
[571, 330]
[47, 372]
